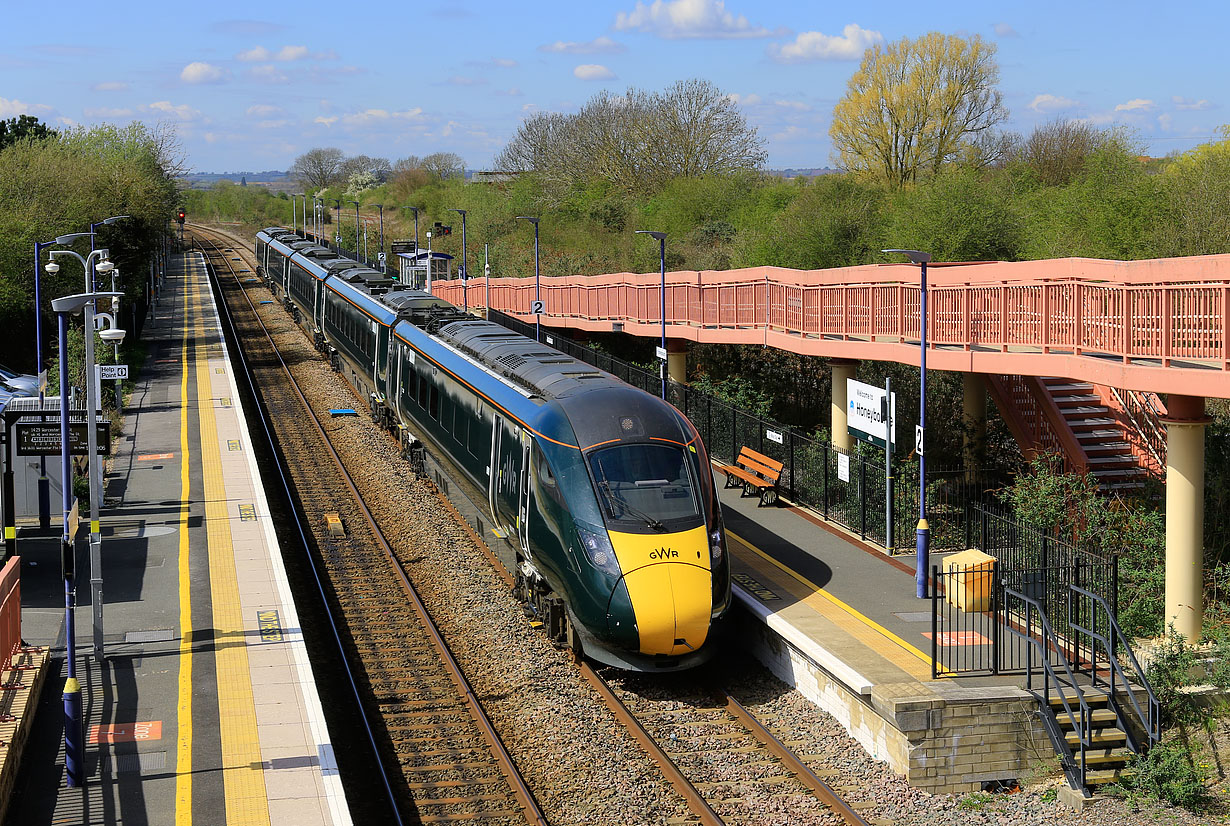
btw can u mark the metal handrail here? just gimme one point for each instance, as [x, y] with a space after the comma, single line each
[1146, 419]
[1076, 773]
[1150, 722]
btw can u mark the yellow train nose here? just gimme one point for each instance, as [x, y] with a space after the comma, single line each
[669, 585]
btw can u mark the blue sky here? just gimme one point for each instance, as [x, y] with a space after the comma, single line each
[249, 86]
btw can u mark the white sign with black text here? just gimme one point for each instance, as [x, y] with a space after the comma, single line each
[866, 412]
[537, 308]
[843, 467]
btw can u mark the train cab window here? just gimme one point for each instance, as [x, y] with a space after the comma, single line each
[646, 487]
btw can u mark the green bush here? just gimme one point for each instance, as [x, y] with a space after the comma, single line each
[1171, 771]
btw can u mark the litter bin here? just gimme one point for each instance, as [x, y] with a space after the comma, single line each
[968, 580]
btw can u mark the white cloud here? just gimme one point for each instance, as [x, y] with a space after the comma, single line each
[1050, 103]
[744, 100]
[1135, 105]
[110, 86]
[592, 71]
[1005, 30]
[808, 46]
[262, 110]
[254, 55]
[104, 112]
[326, 121]
[370, 116]
[180, 111]
[1096, 119]
[292, 53]
[674, 19]
[797, 105]
[793, 133]
[13, 108]
[268, 74]
[199, 72]
[1187, 104]
[599, 45]
[504, 63]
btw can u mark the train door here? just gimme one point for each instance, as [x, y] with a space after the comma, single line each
[523, 497]
[494, 469]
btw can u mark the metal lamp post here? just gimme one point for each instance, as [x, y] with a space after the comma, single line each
[294, 206]
[465, 288]
[415, 210]
[356, 231]
[381, 208]
[427, 282]
[923, 532]
[661, 236]
[44, 487]
[337, 225]
[537, 279]
[91, 265]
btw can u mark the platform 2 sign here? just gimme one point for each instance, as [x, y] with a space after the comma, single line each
[43, 438]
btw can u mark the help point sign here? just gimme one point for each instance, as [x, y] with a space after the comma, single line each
[867, 413]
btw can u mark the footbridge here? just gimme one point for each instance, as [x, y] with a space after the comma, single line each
[1074, 351]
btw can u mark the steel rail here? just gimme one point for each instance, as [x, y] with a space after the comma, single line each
[524, 796]
[792, 762]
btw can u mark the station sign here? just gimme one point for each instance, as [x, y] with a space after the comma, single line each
[112, 371]
[867, 413]
[43, 438]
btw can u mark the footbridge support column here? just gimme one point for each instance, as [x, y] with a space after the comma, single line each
[842, 369]
[677, 360]
[1185, 425]
[975, 414]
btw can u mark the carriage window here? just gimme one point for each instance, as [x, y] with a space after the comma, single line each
[434, 407]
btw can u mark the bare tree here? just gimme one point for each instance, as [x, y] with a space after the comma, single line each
[1056, 151]
[379, 168]
[441, 165]
[319, 168]
[915, 105]
[406, 164]
[638, 140]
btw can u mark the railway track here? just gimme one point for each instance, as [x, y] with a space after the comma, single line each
[727, 766]
[422, 711]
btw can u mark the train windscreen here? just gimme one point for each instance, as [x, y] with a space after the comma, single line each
[644, 486]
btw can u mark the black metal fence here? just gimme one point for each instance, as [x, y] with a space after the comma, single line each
[848, 488]
[973, 608]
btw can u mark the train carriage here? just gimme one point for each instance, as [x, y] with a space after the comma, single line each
[602, 492]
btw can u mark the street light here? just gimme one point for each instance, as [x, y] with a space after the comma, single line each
[923, 532]
[356, 232]
[44, 487]
[294, 206]
[661, 236]
[381, 208]
[90, 266]
[427, 282]
[74, 746]
[537, 286]
[415, 210]
[337, 223]
[465, 292]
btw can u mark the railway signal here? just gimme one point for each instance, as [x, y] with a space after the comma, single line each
[181, 215]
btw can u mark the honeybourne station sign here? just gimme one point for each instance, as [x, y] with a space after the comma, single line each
[867, 413]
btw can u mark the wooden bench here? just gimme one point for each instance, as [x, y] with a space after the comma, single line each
[756, 473]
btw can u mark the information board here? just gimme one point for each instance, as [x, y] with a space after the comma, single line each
[43, 438]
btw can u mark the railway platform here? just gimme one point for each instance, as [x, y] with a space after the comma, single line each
[839, 620]
[202, 706]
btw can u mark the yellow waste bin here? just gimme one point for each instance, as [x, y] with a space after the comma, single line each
[967, 580]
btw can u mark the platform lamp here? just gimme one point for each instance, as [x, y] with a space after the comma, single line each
[415, 210]
[337, 225]
[44, 487]
[356, 231]
[661, 236]
[74, 741]
[923, 532]
[381, 208]
[537, 279]
[465, 290]
[95, 262]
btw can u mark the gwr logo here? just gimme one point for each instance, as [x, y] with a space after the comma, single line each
[664, 553]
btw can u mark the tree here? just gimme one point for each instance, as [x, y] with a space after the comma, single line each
[22, 126]
[915, 105]
[638, 141]
[443, 165]
[1056, 151]
[378, 168]
[319, 168]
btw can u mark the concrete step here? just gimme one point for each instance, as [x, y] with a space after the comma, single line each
[1109, 757]
[1098, 718]
[1105, 777]
[1105, 738]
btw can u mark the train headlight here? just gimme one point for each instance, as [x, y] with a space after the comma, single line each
[598, 550]
[716, 548]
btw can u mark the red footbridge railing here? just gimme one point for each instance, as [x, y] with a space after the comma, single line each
[1158, 325]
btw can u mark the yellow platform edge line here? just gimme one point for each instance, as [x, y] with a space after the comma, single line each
[183, 723]
[243, 776]
[868, 621]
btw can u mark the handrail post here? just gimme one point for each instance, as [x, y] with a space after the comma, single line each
[996, 651]
[935, 629]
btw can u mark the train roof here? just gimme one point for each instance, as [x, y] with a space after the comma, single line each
[544, 370]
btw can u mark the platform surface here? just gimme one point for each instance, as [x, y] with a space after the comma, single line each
[203, 707]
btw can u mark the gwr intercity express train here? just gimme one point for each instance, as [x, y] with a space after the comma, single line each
[603, 492]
